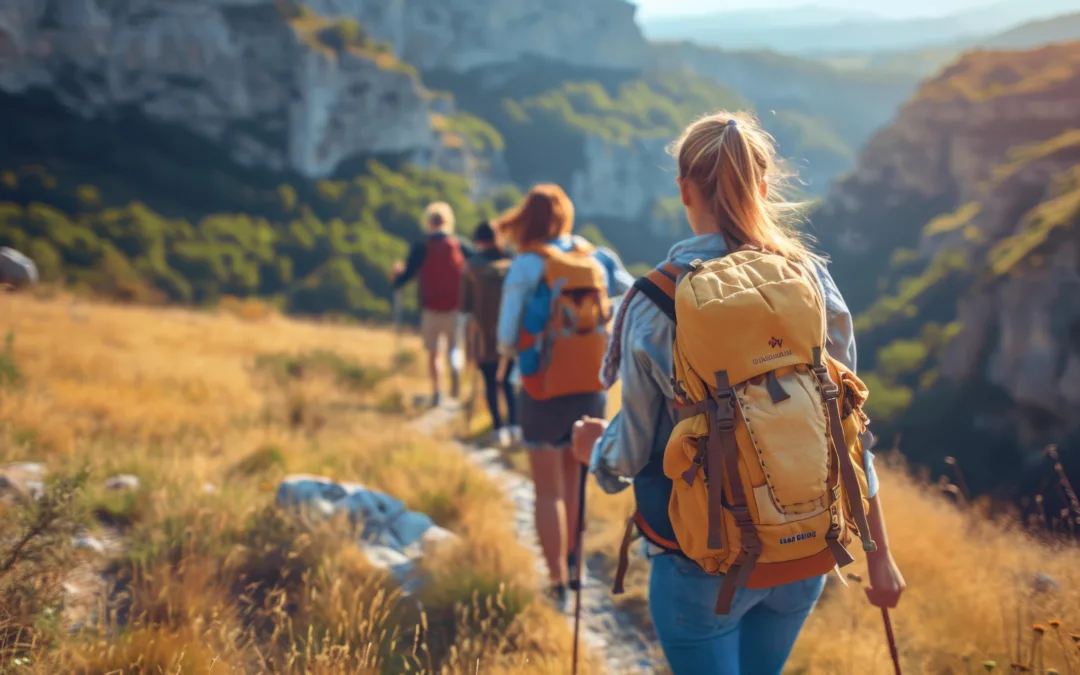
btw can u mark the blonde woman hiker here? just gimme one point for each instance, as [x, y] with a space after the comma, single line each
[438, 261]
[741, 426]
[554, 319]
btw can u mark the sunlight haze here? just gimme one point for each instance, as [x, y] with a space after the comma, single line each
[908, 9]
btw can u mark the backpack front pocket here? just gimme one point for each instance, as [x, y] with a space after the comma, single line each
[789, 442]
[686, 464]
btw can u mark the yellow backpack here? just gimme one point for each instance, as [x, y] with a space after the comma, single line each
[766, 457]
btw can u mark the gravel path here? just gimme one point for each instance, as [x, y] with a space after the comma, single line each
[607, 631]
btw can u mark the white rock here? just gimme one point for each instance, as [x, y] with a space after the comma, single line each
[124, 481]
[22, 480]
[16, 269]
[85, 541]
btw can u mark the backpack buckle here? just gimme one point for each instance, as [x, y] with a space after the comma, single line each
[724, 409]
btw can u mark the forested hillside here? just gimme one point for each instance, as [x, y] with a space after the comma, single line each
[285, 149]
[150, 212]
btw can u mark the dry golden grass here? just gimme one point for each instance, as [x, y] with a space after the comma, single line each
[210, 410]
[220, 580]
[971, 595]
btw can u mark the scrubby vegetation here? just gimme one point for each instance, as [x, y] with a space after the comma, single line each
[658, 106]
[329, 255]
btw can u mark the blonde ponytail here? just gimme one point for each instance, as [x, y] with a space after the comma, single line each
[729, 157]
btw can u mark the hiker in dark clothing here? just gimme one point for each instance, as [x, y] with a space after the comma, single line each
[438, 262]
[481, 295]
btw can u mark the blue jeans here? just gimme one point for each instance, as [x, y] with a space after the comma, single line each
[754, 639]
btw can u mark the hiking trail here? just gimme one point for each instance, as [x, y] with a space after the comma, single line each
[608, 633]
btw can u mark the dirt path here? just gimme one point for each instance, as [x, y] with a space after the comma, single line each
[608, 632]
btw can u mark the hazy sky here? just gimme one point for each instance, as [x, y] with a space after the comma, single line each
[905, 8]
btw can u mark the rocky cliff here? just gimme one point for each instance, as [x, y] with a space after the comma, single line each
[970, 203]
[278, 85]
[464, 35]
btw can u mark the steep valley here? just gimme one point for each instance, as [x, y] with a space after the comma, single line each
[955, 240]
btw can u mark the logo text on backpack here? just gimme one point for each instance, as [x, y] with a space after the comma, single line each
[764, 359]
[798, 537]
[776, 343]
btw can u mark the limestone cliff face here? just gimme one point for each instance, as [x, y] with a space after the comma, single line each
[236, 71]
[462, 35]
[623, 181]
[971, 203]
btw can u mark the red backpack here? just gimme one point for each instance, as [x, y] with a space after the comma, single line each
[440, 274]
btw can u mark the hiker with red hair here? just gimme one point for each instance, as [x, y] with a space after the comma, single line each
[554, 320]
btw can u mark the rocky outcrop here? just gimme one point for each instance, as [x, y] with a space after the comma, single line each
[966, 211]
[391, 536]
[462, 35]
[623, 181]
[266, 85]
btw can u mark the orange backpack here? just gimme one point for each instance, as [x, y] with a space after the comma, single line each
[563, 353]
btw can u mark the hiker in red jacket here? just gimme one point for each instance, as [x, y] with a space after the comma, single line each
[439, 262]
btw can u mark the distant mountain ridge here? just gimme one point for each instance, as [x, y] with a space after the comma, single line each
[1055, 30]
[797, 32]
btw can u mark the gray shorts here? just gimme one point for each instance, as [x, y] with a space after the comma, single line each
[550, 423]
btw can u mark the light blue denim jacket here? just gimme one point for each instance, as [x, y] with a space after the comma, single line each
[645, 371]
[524, 277]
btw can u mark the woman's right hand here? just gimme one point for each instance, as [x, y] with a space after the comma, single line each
[586, 432]
[886, 582]
[397, 269]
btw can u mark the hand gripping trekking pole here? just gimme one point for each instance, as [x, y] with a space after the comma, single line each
[579, 558]
[893, 652]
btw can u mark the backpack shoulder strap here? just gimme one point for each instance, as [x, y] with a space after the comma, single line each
[659, 287]
[582, 245]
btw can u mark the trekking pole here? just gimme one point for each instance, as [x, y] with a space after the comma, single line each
[892, 640]
[579, 561]
[396, 311]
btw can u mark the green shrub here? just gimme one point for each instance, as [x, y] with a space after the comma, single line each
[901, 357]
[343, 33]
[263, 460]
[886, 402]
